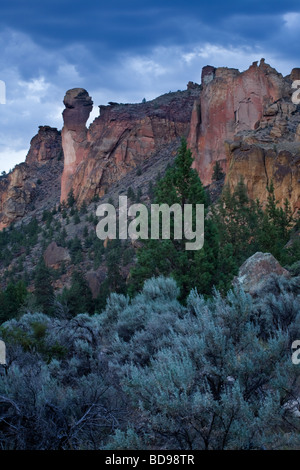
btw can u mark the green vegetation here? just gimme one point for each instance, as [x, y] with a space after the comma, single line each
[43, 290]
[200, 268]
[152, 374]
[168, 355]
[78, 298]
[218, 173]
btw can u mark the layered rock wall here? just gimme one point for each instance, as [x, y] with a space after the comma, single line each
[230, 102]
[246, 120]
[120, 139]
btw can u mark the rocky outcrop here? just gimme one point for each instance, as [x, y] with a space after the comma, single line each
[55, 255]
[34, 182]
[45, 146]
[256, 271]
[259, 166]
[120, 139]
[246, 120]
[270, 153]
[74, 135]
[230, 102]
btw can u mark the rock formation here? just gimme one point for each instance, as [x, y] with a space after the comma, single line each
[121, 138]
[246, 120]
[35, 182]
[271, 152]
[74, 135]
[256, 271]
[55, 255]
[230, 102]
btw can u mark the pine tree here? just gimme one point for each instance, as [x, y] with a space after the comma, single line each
[71, 198]
[43, 290]
[79, 297]
[12, 299]
[180, 185]
[131, 194]
[218, 173]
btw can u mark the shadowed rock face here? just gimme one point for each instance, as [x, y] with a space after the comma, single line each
[295, 74]
[45, 146]
[32, 182]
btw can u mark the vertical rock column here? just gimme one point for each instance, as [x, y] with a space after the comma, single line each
[78, 105]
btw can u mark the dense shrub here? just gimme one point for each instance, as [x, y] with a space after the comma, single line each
[204, 376]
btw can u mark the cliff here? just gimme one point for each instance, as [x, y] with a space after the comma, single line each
[230, 102]
[120, 139]
[246, 120]
[35, 183]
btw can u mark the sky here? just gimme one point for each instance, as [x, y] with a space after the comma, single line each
[124, 51]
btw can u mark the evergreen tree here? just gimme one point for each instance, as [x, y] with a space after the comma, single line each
[43, 290]
[247, 228]
[75, 248]
[180, 185]
[71, 198]
[131, 194]
[237, 218]
[83, 208]
[218, 173]
[276, 225]
[11, 299]
[79, 297]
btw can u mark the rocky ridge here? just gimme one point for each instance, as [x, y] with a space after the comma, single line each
[245, 120]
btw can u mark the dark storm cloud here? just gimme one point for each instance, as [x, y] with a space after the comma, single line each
[138, 24]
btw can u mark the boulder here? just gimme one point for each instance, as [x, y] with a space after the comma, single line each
[54, 255]
[95, 279]
[256, 270]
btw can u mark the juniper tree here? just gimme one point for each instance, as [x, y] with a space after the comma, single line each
[71, 198]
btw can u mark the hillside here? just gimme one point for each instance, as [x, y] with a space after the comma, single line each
[140, 343]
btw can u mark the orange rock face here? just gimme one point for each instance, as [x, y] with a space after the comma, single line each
[122, 137]
[74, 140]
[259, 166]
[230, 102]
[246, 120]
